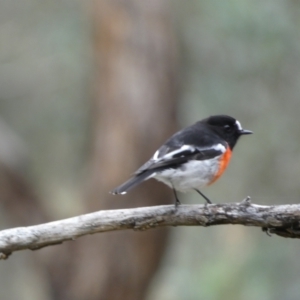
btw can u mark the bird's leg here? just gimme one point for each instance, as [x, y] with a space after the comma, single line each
[177, 202]
[207, 200]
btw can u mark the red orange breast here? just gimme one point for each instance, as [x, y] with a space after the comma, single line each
[224, 161]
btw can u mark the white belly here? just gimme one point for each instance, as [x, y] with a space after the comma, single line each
[191, 175]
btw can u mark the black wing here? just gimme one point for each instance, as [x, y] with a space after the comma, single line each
[174, 158]
[169, 160]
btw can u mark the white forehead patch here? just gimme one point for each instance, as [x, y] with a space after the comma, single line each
[238, 124]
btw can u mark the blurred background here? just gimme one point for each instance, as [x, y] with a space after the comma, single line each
[88, 90]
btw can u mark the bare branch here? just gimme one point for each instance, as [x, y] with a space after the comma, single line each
[282, 220]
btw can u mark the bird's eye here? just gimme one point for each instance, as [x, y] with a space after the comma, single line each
[227, 128]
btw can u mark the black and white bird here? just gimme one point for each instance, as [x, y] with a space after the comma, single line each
[192, 158]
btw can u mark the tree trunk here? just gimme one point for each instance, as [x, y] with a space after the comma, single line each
[135, 93]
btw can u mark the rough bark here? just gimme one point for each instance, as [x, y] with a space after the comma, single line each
[283, 220]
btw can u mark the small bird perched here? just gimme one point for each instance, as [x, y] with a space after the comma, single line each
[192, 158]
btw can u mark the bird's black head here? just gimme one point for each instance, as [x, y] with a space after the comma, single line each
[227, 128]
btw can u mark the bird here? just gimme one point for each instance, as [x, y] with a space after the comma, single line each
[192, 158]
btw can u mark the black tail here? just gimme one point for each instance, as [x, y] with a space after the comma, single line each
[131, 183]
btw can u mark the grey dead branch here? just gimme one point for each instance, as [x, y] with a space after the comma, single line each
[282, 220]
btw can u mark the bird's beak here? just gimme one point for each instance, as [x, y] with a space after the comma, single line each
[244, 131]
